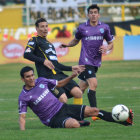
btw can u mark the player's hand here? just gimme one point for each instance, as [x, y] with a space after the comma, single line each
[74, 74]
[103, 49]
[78, 68]
[49, 64]
[63, 46]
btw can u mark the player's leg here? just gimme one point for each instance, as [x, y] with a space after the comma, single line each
[83, 85]
[76, 92]
[72, 123]
[92, 82]
[69, 116]
[106, 116]
[89, 79]
[72, 90]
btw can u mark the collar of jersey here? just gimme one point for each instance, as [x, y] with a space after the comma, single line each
[41, 36]
[88, 23]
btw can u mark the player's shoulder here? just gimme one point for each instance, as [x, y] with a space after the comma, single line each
[33, 38]
[103, 24]
[22, 94]
[82, 25]
[41, 79]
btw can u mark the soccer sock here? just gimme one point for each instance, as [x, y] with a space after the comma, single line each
[92, 98]
[78, 101]
[107, 116]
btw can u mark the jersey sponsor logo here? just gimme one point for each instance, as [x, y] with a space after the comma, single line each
[42, 86]
[31, 43]
[28, 50]
[41, 97]
[94, 38]
[50, 50]
[52, 57]
[102, 30]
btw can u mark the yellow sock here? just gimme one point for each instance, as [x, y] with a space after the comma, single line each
[78, 101]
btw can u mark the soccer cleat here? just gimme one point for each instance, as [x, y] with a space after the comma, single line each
[84, 123]
[95, 118]
[129, 121]
[130, 118]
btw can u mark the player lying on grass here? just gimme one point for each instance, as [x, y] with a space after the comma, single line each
[37, 94]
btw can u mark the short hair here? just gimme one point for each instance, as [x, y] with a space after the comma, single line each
[93, 6]
[25, 69]
[40, 20]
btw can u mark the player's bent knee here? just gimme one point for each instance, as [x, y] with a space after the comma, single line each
[79, 94]
[83, 87]
[72, 123]
[76, 92]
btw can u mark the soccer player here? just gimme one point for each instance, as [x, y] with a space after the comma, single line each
[42, 52]
[37, 94]
[92, 34]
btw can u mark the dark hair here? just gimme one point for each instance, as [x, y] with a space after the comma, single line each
[40, 20]
[25, 69]
[93, 6]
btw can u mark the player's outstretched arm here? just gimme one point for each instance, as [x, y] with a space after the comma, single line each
[22, 121]
[72, 43]
[63, 82]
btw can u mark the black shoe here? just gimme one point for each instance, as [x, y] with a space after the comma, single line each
[84, 123]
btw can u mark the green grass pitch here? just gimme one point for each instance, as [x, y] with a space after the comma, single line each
[118, 83]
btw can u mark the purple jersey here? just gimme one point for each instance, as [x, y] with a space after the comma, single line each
[92, 38]
[40, 99]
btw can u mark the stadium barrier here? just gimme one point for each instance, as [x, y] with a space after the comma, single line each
[125, 48]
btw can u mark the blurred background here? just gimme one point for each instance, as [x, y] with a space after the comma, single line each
[17, 18]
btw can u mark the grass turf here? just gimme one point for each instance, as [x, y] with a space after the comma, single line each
[118, 83]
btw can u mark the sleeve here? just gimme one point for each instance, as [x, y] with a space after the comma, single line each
[22, 106]
[29, 52]
[63, 67]
[108, 36]
[78, 34]
[52, 83]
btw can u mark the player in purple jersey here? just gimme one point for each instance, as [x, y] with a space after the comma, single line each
[37, 94]
[92, 34]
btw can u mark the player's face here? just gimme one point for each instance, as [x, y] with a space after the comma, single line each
[42, 29]
[29, 79]
[93, 16]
